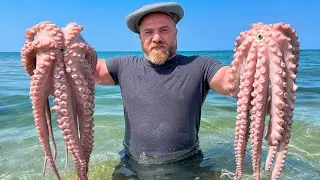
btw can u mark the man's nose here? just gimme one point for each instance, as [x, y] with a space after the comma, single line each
[156, 38]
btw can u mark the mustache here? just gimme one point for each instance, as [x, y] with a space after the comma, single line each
[160, 45]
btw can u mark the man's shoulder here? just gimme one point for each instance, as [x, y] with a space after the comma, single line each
[196, 59]
[196, 56]
[126, 58]
[206, 63]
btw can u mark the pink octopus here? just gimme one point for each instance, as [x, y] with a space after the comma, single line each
[60, 63]
[262, 80]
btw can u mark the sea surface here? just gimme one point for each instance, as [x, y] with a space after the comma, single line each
[21, 156]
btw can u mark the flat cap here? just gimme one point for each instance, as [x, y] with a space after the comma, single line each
[171, 8]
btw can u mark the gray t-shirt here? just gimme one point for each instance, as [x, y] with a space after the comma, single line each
[162, 104]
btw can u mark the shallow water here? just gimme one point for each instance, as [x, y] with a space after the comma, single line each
[21, 156]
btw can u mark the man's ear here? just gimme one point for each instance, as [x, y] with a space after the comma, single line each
[176, 30]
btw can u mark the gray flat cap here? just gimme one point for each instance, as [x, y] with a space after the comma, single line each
[171, 8]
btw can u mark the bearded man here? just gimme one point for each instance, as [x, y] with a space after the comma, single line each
[163, 93]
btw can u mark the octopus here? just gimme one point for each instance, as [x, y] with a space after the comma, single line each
[61, 64]
[262, 80]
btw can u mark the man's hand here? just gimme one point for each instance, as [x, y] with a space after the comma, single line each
[101, 75]
[219, 82]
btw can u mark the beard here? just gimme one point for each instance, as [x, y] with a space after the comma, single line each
[159, 54]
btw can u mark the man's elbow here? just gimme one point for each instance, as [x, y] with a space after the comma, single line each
[225, 83]
[97, 73]
[97, 78]
[220, 81]
[101, 75]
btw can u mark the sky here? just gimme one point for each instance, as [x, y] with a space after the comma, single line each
[207, 24]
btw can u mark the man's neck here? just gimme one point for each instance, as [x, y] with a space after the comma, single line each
[172, 56]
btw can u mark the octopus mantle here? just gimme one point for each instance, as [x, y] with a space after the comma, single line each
[61, 63]
[262, 79]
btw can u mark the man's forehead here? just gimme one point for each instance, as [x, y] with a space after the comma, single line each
[157, 20]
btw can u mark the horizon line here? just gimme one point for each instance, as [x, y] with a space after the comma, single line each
[306, 49]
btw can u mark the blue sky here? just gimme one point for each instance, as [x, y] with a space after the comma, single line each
[207, 25]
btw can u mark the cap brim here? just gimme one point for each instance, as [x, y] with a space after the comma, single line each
[171, 8]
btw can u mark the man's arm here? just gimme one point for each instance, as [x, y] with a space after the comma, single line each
[101, 75]
[219, 82]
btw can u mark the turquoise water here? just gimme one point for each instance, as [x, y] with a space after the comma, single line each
[21, 157]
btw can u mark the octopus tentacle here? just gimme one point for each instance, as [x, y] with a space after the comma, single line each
[290, 69]
[276, 129]
[270, 157]
[276, 124]
[49, 124]
[243, 106]
[271, 149]
[65, 116]
[237, 68]
[80, 72]
[234, 82]
[39, 46]
[291, 55]
[294, 46]
[67, 157]
[259, 111]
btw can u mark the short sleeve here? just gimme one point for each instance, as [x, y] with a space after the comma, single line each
[210, 68]
[113, 68]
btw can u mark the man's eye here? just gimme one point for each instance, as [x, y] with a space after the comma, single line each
[147, 32]
[164, 30]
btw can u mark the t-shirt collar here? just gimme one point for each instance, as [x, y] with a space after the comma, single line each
[172, 60]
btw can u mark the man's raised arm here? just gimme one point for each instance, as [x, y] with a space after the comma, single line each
[219, 82]
[101, 75]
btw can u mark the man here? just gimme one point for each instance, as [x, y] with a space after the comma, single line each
[162, 92]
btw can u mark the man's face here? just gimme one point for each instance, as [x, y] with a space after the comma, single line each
[158, 36]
